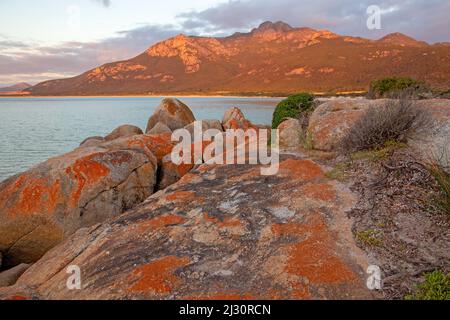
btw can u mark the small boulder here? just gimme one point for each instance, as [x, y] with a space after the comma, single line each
[173, 113]
[9, 277]
[160, 128]
[234, 119]
[289, 133]
[123, 131]
[92, 141]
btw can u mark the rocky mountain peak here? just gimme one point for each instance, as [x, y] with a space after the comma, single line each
[278, 27]
[401, 39]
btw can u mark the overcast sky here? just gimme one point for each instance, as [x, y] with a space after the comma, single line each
[47, 39]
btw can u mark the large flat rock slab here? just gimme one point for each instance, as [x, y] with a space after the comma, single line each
[221, 232]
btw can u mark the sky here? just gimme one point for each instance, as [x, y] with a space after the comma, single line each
[48, 39]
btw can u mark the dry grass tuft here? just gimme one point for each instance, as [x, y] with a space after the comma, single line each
[395, 121]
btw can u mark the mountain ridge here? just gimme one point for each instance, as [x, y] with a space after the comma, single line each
[273, 57]
[16, 87]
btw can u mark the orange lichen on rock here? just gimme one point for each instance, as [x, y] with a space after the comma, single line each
[182, 169]
[300, 291]
[161, 222]
[158, 276]
[226, 295]
[35, 196]
[320, 191]
[160, 145]
[85, 171]
[315, 257]
[120, 158]
[181, 196]
[227, 222]
[301, 169]
[16, 298]
[288, 229]
[332, 122]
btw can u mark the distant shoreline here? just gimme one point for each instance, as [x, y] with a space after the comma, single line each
[323, 94]
[144, 96]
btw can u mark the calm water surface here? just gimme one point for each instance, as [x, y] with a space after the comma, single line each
[35, 129]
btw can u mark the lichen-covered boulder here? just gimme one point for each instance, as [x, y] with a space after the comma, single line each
[221, 232]
[92, 141]
[42, 206]
[330, 121]
[235, 119]
[290, 134]
[173, 113]
[123, 131]
[159, 128]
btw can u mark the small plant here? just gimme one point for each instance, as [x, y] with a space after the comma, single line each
[444, 94]
[292, 107]
[371, 238]
[393, 121]
[338, 172]
[394, 87]
[378, 154]
[435, 287]
[306, 140]
[442, 177]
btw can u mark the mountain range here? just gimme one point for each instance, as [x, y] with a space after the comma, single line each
[15, 88]
[273, 58]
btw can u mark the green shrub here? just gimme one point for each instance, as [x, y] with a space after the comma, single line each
[396, 87]
[292, 107]
[435, 287]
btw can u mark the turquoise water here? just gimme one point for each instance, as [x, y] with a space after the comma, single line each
[35, 129]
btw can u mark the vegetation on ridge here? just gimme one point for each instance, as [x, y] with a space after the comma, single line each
[393, 87]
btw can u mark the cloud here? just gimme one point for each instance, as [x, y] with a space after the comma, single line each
[29, 62]
[423, 19]
[5, 44]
